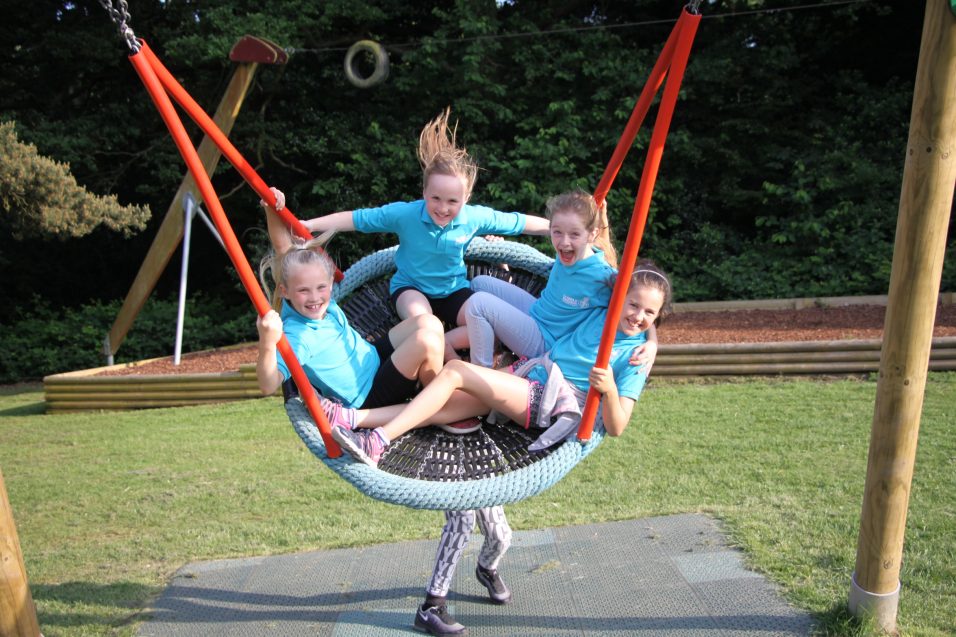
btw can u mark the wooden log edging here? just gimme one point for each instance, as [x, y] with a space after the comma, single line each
[800, 357]
[87, 391]
[944, 298]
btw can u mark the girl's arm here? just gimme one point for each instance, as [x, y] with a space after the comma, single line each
[536, 225]
[267, 366]
[646, 353]
[279, 233]
[282, 237]
[339, 221]
[616, 409]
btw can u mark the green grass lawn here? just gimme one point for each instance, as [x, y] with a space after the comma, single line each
[109, 505]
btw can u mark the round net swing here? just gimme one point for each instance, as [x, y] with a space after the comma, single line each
[428, 468]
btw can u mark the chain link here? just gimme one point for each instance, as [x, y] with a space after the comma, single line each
[693, 7]
[120, 16]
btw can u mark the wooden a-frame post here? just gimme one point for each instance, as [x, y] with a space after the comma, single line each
[249, 52]
[18, 615]
[926, 198]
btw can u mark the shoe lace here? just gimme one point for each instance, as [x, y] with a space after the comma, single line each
[442, 613]
[328, 407]
[492, 577]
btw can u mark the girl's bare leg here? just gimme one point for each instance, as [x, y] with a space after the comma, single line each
[412, 303]
[455, 339]
[496, 390]
[419, 347]
[459, 406]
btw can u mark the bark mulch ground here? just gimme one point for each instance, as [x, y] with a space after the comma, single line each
[738, 326]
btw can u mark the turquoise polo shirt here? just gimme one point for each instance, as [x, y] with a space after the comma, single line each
[572, 292]
[430, 258]
[575, 355]
[338, 361]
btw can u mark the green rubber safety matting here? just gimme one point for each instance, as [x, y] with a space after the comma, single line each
[671, 575]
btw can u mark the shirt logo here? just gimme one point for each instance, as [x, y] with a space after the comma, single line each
[462, 239]
[573, 302]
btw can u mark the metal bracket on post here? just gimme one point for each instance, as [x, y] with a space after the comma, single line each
[107, 349]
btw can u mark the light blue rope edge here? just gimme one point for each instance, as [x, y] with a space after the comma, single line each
[425, 494]
[444, 496]
[382, 262]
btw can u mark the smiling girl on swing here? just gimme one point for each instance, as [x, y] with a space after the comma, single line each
[463, 390]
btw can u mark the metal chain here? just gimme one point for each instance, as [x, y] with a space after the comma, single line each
[121, 18]
[693, 7]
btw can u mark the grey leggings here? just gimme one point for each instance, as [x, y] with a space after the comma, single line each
[501, 309]
[454, 538]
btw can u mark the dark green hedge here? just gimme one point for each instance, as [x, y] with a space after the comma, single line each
[43, 340]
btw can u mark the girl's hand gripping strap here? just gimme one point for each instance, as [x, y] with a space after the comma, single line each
[685, 30]
[226, 147]
[141, 62]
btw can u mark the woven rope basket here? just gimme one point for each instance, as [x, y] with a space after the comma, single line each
[428, 468]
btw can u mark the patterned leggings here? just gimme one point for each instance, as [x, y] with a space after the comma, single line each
[454, 538]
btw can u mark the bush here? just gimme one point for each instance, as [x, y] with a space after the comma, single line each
[42, 340]
[40, 197]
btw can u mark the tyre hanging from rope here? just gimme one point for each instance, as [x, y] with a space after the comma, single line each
[357, 54]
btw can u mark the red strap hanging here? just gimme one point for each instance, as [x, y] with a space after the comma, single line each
[142, 61]
[675, 55]
[208, 126]
[651, 86]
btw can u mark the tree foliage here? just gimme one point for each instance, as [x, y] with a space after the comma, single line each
[780, 176]
[40, 197]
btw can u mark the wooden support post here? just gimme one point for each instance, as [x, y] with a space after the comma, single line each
[926, 198]
[170, 232]
[18, 616]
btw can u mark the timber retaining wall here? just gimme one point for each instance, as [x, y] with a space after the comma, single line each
[89, 390]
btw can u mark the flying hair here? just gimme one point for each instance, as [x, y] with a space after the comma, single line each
[592, 217]
[301, 252]
[439, 154]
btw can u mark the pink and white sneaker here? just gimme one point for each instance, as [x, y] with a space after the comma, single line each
[362, 444]
[337, 414]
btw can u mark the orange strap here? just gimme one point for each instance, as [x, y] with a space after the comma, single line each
[651, 86]
[198, 115]
[674, 57]
[147, 66]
